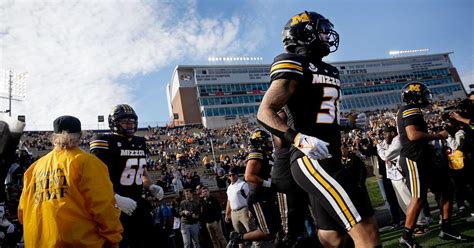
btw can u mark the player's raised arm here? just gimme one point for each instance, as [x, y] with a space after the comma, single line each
[274, 99]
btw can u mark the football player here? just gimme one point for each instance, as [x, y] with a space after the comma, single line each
[293, 201]
[125, 156]
[261, 198]
[417, 164]
[309, 89]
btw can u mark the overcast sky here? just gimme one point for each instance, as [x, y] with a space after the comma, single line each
[84, 57]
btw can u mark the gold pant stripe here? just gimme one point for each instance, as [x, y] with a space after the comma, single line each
[261, 219]
[413, 178]
[332, 191]
[283, 211]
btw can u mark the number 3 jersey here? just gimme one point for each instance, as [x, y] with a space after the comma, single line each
[126, 160]
[313, 109]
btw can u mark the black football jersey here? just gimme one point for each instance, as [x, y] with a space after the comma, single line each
[411, 115]
[313, 109]
[126, 160]
[265, 170]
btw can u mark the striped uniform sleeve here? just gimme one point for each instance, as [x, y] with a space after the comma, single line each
[99, 144]
[254, 155]
[286, 67]
[412, 116]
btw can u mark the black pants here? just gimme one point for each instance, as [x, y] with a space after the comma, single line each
[137, 229]
[394, 207]
[293, 201]
[265, 211]
[464, 187]
[338, 202]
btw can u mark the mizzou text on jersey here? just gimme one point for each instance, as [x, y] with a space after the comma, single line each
[126, 160]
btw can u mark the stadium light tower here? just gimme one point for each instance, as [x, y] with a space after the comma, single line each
[395, 53]
[234, 59]
[15, 86]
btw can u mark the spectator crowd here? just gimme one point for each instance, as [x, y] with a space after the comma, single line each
[192, 165]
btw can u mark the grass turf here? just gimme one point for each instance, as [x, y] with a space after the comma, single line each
[374, 192]
[431, 239]
[390, 238]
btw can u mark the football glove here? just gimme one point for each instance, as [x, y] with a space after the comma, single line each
[125, 204]
[157, 191]
[267, 183]
[311, 146]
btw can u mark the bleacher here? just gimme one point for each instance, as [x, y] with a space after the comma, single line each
[38, 145]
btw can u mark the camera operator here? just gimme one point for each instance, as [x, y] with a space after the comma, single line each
[368, 152]
[466, 111]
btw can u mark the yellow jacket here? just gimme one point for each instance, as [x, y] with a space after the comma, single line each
[68, 201]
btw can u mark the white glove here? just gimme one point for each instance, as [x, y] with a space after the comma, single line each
[125, 204]
[157, 191]
[267, 183]
[11, 228]
[311, 146]
[2, 235]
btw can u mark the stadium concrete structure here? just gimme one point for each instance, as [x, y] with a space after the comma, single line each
[220, 95]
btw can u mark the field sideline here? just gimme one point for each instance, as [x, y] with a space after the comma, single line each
[390, 238]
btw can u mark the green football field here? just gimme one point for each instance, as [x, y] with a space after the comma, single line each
[390, 237]
[430, 239]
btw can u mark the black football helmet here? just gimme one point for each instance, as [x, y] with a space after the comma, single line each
[466, 106]
[260, 139]
[303, 32]
[119, 112]
[416, 93]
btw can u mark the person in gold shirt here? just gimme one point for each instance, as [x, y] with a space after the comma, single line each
[206, 161]
[68, 198]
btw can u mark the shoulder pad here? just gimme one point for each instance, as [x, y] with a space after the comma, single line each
[255, 154]
[139, 139]
[100, 141]
[287, 62]
[411, 111]
[331, 67]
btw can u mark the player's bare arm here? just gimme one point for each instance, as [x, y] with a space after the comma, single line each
[274, 99]
[414, 134]
[227, 212]
[252, 168]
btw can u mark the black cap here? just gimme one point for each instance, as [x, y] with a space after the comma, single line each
[390, 129]
[67, 123]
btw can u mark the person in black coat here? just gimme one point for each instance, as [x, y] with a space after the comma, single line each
[211, 215]
[354, 165]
